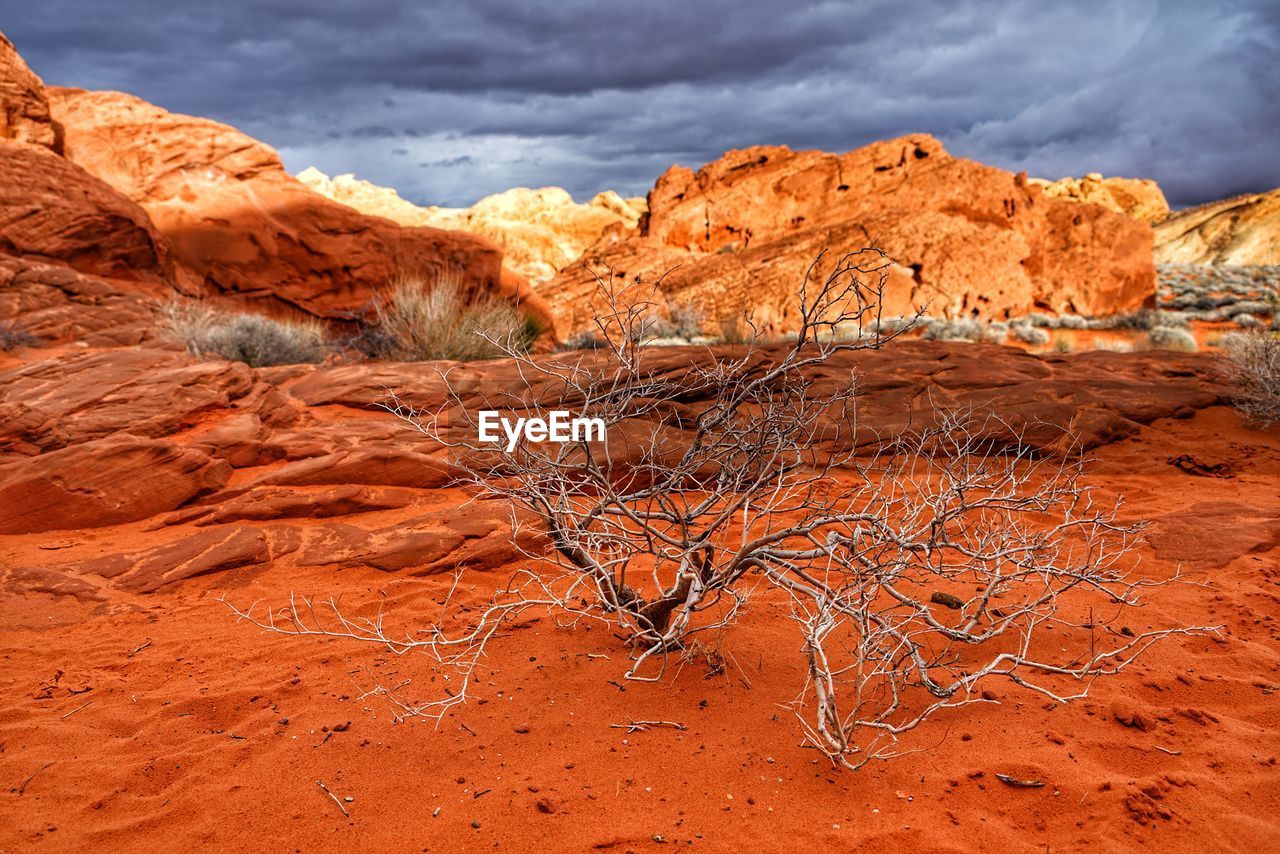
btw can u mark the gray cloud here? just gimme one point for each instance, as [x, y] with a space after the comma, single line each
[448, 102]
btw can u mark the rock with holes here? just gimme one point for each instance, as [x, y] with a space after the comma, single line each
[964, 238]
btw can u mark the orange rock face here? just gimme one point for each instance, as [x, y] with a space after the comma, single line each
[245, 227]
[24, 109]
[51, 209]
[968, 239]
[59, 305]
[54, 211]
[103, 483]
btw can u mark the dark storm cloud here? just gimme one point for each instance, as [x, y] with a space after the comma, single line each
[591, 94]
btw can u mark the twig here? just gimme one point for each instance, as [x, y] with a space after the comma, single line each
[73, 711]
[23, 788]
[1020, 784]
[140, 649]
[335, 798]
[641, 726]
[1167, 750]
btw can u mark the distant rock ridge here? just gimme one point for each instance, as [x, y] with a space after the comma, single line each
[1243, 230]
[540, 231]
[1140, 198]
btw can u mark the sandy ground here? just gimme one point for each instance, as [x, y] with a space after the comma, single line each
[159, 722]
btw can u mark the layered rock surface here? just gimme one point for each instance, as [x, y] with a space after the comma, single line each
[1243, 230]
[229, 466]
[59, 305]
[51, 209]
[968, 239]
[540, 231]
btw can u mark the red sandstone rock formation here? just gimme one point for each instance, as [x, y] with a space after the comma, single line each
[24, 109]
[60, 305]
[243, 225]
[968, 239]
[53, 210]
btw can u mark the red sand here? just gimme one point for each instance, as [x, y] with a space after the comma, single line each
[158, 721]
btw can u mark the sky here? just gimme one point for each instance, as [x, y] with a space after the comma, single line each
[451, 101]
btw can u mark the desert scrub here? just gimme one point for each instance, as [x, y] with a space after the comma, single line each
[947, 515]
[1029, 334]
[584, 340]
[1171, 338]
[419, 321]
[684, 320]
[1254, 358]
[13, 336]
[1144, 320]
[966, 329]
[1072, 321]
[255, 339]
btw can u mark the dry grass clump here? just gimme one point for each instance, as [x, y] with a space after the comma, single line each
[1144, 320]
[255, 339]
[1255, 365]
[684, 320]
[13, 336]
[965, 329]
[419, 321]
[1171, 338]
[583, 340]
[1028, 334]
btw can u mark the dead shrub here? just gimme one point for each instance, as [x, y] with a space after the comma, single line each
[684, 320]
[912, 577]
[1254, 358]
[13, 335]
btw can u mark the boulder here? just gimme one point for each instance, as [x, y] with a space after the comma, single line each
[1238, 231]
[53, 210]
[966, 239]
[59, 305]
[1139, 198]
